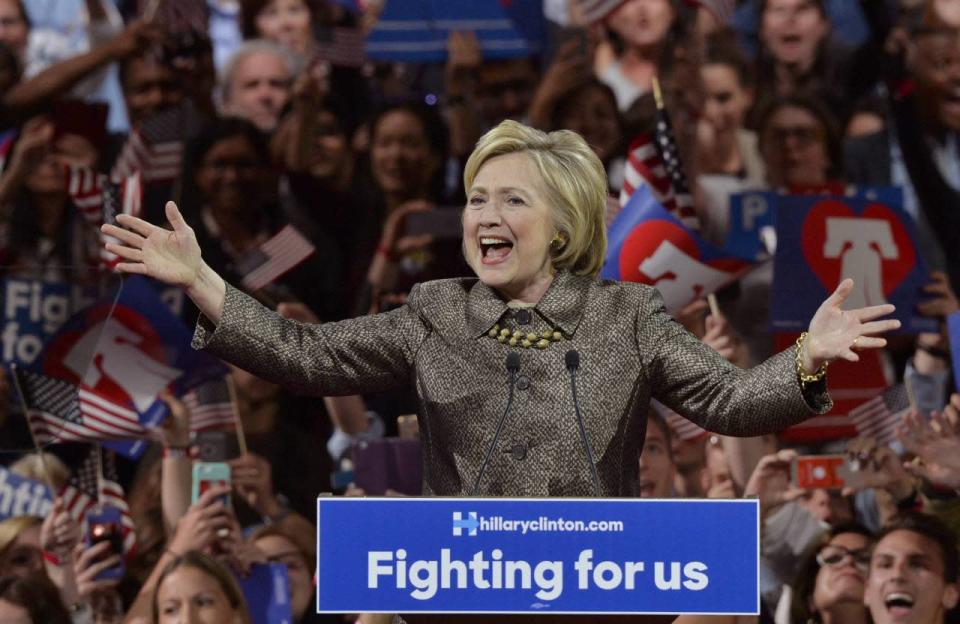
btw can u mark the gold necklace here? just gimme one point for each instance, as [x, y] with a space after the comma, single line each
[527, 340]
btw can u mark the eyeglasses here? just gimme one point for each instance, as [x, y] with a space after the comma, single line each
[834, 556]
[803, 136]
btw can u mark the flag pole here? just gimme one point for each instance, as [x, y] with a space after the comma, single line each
[241, 438]
[714, 306]
[911, 399]
[657, 94]
[36, 445]
[151, 11]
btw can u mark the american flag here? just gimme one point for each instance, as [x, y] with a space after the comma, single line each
[58, 411]
[94, 481]
[210, 405]
[340, 46]
[590, 11]
[682, 428]
[879, 417]
[100, 200]
[264, 265]
[654, 160]
[154, 148]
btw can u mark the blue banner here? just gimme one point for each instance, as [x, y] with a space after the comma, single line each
[267, 591]
[753, 217]
[953, 328]
[33, 311]
[822, 240]
[416, 30]
[23, 497]
[408, 555]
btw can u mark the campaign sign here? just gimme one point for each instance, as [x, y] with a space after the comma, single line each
[23, 497]
[753, 217]
[416, 31]
[953, 329]
[649, 245]
[33, 311]
[267, 592]
[822, 240]
[127, 348]
[470, 555]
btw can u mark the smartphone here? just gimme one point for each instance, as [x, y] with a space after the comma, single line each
[103, 525]
[216, 446]
[442, 223]
[829, 472]
[207, 475]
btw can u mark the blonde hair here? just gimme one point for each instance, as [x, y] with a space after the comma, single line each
[32, 466]
[575, 183]
[11, 528]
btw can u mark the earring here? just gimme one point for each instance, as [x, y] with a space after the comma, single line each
[558, 241]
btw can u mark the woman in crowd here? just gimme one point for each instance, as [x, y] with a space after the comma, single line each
[724, 146]
[644, 34]
[31, 600]
[196, 587]
[533, 232]
[287, 22]
[45, 236]
[800, 143]
[235, 202]
[570, 98]
[831, 578]
[408, 147]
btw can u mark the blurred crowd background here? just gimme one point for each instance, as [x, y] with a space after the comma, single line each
[318, 155]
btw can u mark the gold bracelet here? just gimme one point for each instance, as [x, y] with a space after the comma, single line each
[801, 374]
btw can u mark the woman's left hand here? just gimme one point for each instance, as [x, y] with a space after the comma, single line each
[836, 333]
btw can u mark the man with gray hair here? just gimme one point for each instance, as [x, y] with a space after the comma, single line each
[255, 83]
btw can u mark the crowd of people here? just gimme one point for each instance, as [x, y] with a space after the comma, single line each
[364, 158]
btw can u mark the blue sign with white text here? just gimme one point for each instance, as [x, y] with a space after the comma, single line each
[470, 555]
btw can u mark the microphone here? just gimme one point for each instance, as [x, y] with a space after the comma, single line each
[572, 360]
[513, 367]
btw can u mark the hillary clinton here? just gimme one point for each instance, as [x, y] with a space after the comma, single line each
[533, 231]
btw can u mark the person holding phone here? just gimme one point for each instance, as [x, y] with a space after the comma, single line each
[534, 233]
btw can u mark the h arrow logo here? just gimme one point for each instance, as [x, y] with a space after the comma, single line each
[470, 524]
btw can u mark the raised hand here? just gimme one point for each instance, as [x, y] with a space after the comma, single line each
[936, 443]
[169, 256]
[770, 481]
[835, 333]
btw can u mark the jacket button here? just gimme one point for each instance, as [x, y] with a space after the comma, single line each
[518, 452]
[523, 382]
[524, 317]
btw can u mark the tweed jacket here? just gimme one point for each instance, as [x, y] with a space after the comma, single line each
[630, 351]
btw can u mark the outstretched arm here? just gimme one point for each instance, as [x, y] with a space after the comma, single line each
[173, 257]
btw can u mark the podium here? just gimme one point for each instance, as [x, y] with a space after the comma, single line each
[556, 555]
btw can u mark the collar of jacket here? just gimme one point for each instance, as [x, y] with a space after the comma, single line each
[561, 306]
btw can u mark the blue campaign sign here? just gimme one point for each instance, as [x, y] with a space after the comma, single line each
[822, 240]
[20, 496]
[750, 213]
[416, 30]
[753, 216]
[33, 311]
[469, 555]
[267, 592]
[953, 328]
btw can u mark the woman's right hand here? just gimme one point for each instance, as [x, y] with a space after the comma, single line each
[172, 257]
[203, 523]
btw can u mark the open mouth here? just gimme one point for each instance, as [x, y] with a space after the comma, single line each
[898, 604]
[494, 249]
